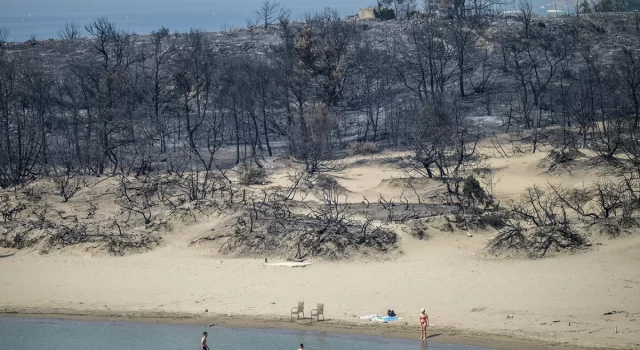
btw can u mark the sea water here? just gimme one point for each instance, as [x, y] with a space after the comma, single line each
[42, 18]
[50, 334]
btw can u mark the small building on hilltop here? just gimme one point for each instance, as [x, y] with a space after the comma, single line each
[367, 13]
[383, 14]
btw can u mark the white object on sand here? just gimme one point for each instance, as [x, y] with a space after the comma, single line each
[368, 317]
[288, 264]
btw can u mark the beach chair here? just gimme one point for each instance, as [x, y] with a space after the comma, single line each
[298, 310]
[317, 312]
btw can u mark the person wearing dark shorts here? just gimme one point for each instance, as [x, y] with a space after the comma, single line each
[203, 342]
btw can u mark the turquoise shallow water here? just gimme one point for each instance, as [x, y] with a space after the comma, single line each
[20, 334]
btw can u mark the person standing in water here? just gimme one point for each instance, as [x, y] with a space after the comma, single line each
[301, 347]
[424, 323]
[203, 342]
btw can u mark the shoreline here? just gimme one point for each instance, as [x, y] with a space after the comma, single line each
[443, 335]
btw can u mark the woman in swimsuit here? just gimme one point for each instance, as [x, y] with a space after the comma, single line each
[424, 323]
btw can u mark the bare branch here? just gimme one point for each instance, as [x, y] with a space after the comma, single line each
[69, 31]
[270, 12]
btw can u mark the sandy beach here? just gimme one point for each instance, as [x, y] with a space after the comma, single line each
[564, 301]
[560, 300]
[465, 299]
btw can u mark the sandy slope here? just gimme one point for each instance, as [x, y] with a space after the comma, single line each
[463, 289]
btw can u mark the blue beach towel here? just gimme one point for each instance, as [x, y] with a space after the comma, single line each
[385, 319]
